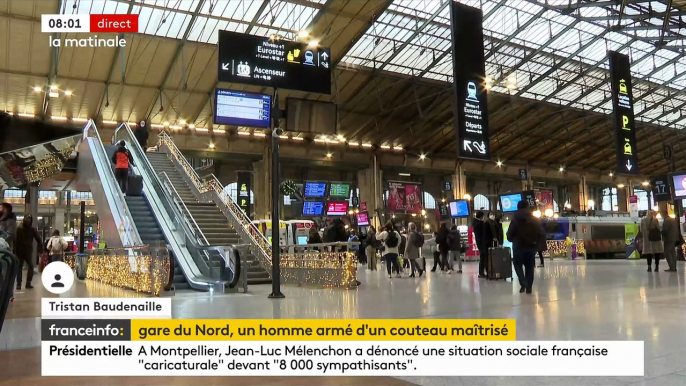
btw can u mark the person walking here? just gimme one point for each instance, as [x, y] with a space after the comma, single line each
[8, 224]
[542, 246]
[141, 134]
[391, 240]
[524, 234]
[403, 245]
[433, 247]
[26, 234]
[413, 248]
[455, 247]
[56, 246]
[478, 226]
[122, 159]
[444, 247]
[372, 245]
[670, 239]
[355, 248]
[652, 240]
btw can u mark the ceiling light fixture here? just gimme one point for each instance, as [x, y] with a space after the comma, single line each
[67, 93]
[53, 94]
[53, 88]
[612, 174]
[562, 168]
[367, 145]
[182, 122]
[405, 174]
[24, 115]
[329, 155]
[244, 133]
[191, 126]
[298, 138]
[385, 147]
[621, 186]
[37, 89]
[422, 157]
[645, 183]
[313, 43]
[211, 146]
[499, 163]
[259, 135]
[165, 124]
[202, 129]
[303, 34]
[353, 144]
[219, 131]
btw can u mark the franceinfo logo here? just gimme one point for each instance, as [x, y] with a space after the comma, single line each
[85, 329]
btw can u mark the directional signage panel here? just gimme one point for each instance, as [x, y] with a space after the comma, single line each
[469, 74]
[622, 103]
[277, 63]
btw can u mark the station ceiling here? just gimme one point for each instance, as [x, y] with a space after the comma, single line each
[393, 76]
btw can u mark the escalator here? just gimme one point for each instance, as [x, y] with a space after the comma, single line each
[203, 264]
[149, 219]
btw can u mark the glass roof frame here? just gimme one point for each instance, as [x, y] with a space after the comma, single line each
[575, 39]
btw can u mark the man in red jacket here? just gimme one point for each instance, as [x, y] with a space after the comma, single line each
[122, 159]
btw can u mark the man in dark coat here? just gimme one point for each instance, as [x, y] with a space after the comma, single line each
[524, 233]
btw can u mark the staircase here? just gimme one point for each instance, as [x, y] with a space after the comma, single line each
[212, 222]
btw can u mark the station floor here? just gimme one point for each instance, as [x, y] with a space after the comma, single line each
[572, 300]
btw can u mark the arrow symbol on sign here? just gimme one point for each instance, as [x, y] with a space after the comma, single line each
[225, 66]
[324, 56]
[629, 165]
[468, 145]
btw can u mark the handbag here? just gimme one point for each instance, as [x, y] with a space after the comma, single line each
[654, 233]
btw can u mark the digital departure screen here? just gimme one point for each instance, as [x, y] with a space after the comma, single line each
[239, 108]
[509, 202]
[339, 189]
[459, 209]
[313, 208]
[315, 189]
[268, 62]
[337, 208]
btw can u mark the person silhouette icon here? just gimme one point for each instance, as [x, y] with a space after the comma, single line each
[57, 283]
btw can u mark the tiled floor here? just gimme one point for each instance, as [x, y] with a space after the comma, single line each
[598, 300]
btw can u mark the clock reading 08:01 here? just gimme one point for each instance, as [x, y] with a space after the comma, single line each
[69, 23]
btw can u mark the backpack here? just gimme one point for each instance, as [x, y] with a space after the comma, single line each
[418, 240]
[55, 249]
[392, 240]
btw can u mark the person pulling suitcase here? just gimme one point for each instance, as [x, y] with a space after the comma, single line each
[122, 160]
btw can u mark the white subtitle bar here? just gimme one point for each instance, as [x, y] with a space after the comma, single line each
[342, 358]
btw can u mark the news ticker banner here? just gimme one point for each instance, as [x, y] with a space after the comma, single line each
[356, 347]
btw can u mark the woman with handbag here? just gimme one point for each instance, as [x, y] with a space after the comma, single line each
[652, 240]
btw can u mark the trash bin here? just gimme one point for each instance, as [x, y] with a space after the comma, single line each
[81, 264]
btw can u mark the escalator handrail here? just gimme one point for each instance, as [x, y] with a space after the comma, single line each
[122, 214]
[125, 130]
[242, 222]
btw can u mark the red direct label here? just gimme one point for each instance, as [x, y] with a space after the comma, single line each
[114, 23]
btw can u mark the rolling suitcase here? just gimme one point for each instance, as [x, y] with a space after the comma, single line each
[135, 187]
[499, 263]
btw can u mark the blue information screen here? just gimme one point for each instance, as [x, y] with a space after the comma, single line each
[315, 189]
[313, 208]
[509, 202]
[459, 208]
[242, 108]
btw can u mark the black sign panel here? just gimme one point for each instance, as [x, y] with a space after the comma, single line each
[623, 106]
[266, 62]
[529, 196]
[661, 190]
[523, 175]
[469, 74]
[243, 192]
[443, 212]
[447, 186]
